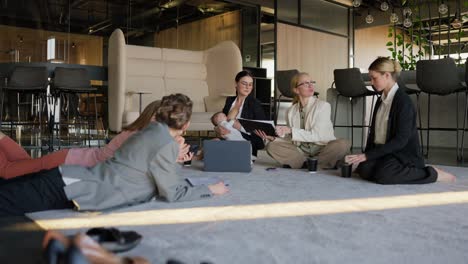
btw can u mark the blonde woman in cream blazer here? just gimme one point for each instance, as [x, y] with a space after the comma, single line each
[309, 130]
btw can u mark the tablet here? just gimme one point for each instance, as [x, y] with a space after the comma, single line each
[266, 126]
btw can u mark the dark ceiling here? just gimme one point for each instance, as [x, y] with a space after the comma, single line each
[101, 17]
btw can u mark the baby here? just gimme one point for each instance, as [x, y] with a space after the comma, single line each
[220, 119]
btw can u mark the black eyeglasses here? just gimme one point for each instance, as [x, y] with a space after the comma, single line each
[308, 83]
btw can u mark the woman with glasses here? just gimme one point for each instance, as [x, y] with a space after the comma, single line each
[243, 105]
[393, 154]
[309, 130]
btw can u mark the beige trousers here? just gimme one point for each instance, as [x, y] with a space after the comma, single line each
[286, 153]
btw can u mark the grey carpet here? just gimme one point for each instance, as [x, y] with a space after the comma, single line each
[291, 216]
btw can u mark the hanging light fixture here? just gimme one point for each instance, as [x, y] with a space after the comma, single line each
[407, 23]
[393, 17]
[407, 11]
[443, 8]
[357, 3]
[457, 23]
[384, 6]
[369, 17]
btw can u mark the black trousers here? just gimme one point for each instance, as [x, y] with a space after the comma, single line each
[389, 170]
[255, 141]
[34, 192]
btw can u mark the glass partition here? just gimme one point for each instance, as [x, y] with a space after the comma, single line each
[77, 31]
[288, 11]
[325, 16]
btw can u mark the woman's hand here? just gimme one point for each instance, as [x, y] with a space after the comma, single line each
[355, 159]
[221, 131]
[180, 140]
[218, 188]
[183, 149]
[183, 152]
[281, 131]
[237, 125]
[186, 157]
[263, 135]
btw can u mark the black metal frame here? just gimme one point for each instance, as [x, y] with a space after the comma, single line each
[352, 126]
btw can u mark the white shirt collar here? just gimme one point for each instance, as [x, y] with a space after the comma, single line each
[389, 98]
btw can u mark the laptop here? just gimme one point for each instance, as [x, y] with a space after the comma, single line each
[227, 156]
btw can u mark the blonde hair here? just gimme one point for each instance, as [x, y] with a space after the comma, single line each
[175, 110]
[293, 84]
[145, 117]
[383, 64]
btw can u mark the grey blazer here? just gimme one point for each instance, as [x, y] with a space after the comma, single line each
[142, 168]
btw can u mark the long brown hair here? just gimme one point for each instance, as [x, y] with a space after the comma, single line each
[145, 118]
[293, 84]
[175, 110]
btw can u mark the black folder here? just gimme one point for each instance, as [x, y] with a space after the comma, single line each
[251, 125]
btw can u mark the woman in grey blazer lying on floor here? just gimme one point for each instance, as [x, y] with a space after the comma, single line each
[142, 168]
[393, 154]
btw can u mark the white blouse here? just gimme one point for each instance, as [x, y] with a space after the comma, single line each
[381, 118]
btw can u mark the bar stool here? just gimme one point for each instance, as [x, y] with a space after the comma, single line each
[402, 80]
[73, 81]
[26, 80]
[439, 77]
[349, 84]
[460, 158]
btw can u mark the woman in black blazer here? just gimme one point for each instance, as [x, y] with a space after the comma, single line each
[393, 154]
[244, 105]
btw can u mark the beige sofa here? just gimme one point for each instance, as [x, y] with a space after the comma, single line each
[205, 76]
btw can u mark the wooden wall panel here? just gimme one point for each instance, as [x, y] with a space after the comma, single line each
[369, 44]
[311, 51]
[202, 34]
[88, 49]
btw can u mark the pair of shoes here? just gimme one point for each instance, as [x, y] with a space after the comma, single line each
[113, 239]
[56, 252]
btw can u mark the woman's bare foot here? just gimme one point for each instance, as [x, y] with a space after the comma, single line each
[2, 135]
[444, 176]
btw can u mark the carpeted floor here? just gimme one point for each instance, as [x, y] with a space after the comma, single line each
[291, 216]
